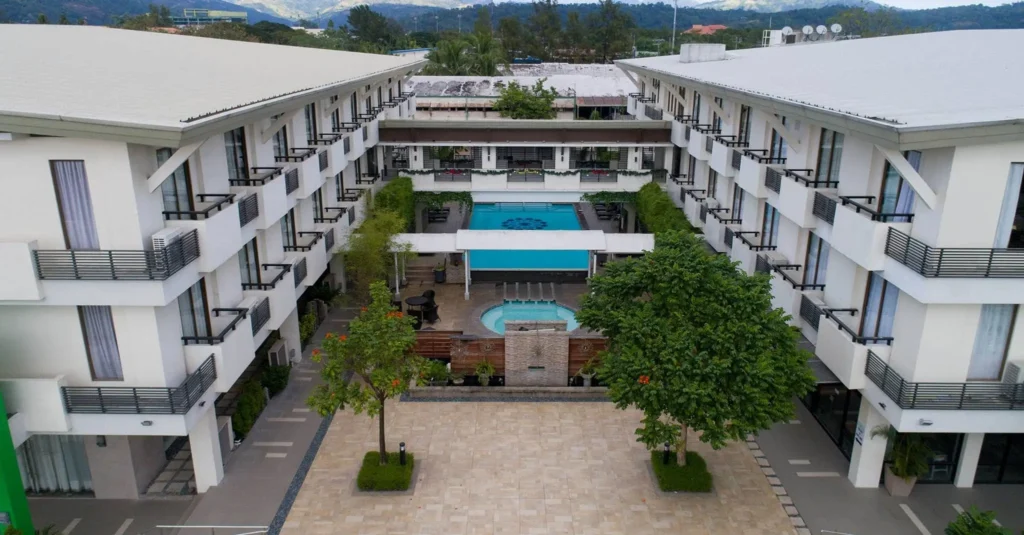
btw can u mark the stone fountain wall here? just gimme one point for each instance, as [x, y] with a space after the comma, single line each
[538, 355]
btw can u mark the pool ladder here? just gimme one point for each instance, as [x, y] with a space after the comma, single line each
[529, 292]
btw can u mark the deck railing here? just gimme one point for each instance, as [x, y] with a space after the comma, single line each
[810, 312]
[824, 207]
[953, 262]
[218, 202]
[300, 272]
[141, 400]
[979, 396]
[260, 315]
[159, 264]
[272, 283]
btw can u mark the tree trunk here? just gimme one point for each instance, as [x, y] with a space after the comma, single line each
[383, 448]
[681, 446]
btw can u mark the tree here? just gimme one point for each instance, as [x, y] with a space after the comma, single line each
[694, 344]
[575, 43]
[304, 23]
[378, 352]
[484, 55]
[510, 33]
[595, 115]
[370, 255]
[41, 19]
[330, 24]
[156, 17]
[483, 21]
[63, 18]
[449, 58]
[372, 28]
[222, 30]
[522, 102]
[609, 30]
[546, 26]
[975, 522]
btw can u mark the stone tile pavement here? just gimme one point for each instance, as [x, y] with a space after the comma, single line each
[525, 468]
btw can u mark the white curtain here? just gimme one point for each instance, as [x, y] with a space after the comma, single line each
[72, 186]
[994, 329]
[100, 339]
[1008, 213]
[54, 463]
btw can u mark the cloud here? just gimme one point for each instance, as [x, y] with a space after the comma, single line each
[928, 4]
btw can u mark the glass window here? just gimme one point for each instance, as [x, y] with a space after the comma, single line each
[335, 115]
[830, 152]
[778, 147]
[695, 109]
[817, 260]
[249, 263]
[716, 121]
[318, 203]
[897, 196]
[281, 142]
[712, 184]
[238, 160]
[176, 191]
[195, 318]
[311, 126]
[352, 107]
[744, 126]
[288, 236]
[101, 343]
[691, 168]
[879, 307]
[737, 202]
[380, 96]
[369, 103]
[770, 226]
[647, 158]
[995, 328]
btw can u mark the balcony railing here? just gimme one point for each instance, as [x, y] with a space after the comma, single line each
[524, 175]
[693, 193]
[599, 175]
[728, 237]
[452, 175]
[762, 264]
[338, 211]
[159, 264]
[296, 154]
[300, 272]
[142, 400]
[824, 207]
[681, 180]
[291, 180]
[707, 129]
[783, 271]
[344, 127]
[810, 312]
[773, 179]
[329, 240]
[717, 214]
[323, 161]
[218, 201]
[329, 138]
[260, 315]
[763, 156]
[742, 235]
[248, 210]
[963, 262]
[259, 176]
[977, 396]
[653, 112]
[884, 217]
[272, 283]
[367, 179]
[737, 159]
[806, 177]
[239, 313]
[830, 313]
[686, 119]
[316, 234]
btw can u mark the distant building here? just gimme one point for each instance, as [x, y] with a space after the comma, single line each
[412, 53]
[710, 29]
[202, 17]
[311, 31]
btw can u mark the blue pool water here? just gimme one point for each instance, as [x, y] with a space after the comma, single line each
[526, 216]
[494, 319]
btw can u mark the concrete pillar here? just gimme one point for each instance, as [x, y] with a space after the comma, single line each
[630, 218]
[465, 262]
[291, 335]
[123, 466]
[420, 218]
[970, 451]
[562, 162]
[206, 455]
[338, 271]
[489, 158]
[633, 163]
[416, 157]
[868, 452]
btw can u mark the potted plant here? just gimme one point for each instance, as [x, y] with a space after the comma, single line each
[484, 371]
[587, 371]
[975, 522]
[458, 379]
[436, 373]
[440, 272]
[910, 454]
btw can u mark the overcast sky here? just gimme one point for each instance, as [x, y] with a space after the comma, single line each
[925, 4]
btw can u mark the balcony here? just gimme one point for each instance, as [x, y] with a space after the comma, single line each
[310, 263]
[248, 209]
[531, 178]
[260, 315]
[653, 113]
[680, 126]
[789, 288]
[159, 264]
[311, 239]
[216, 220]
[809, 310]
[598, 176]
[753, 171]
[843, 350]
[929, 261]
[977, 396]
[307, 176]
[714, 228]
[797, 196]
[271, 195]
[142, 400]
[693, 203]
[231, 346]
[453, 175]
[857, 231]
[277, 288]
[701, 141]
[724, 153]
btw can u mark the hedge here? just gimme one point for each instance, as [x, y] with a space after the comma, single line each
[657, 211]
[391, 476]
[275, 378]
[397, 196]
[694, 477]
[250, 404]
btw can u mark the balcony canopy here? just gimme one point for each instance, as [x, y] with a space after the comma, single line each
[528, 240]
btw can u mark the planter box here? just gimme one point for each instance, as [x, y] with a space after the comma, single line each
[896, 486]
[514, 393]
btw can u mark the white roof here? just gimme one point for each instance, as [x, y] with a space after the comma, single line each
[919, 81]
[582, 85]
[149, 79]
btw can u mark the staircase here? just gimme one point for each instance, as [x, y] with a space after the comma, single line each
[419, 274]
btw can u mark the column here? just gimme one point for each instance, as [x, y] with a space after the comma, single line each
[291, 335]
[338, 271]
[489, 160]
[630, 218]
[465, 262]
[868, 452]
[562, 162]
[206, 455]
[970, 452]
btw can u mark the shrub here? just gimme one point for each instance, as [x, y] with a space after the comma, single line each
[275, 378]
[694, 477]
[250, 404]
[435, 371]
[307, 327]
[975, 522]
[657, 211]
[397, 196]
[391, 476]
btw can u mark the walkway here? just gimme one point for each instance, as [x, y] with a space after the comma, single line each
[813, 471]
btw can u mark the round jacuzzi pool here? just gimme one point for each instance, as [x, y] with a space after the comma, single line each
[494, 319]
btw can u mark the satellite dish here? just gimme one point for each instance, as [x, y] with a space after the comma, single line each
[821, 29]
[787, 31]
[837, 28]
[808, 30]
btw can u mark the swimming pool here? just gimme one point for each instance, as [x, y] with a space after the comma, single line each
[494, 319]
[526, 216]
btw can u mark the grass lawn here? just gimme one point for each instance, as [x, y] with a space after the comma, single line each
[391, 476]
[694, 477]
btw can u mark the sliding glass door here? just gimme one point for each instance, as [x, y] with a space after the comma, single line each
[879, 307]
[195, 315]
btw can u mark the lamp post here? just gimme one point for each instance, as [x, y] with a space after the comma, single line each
[401, 453]
[675, 11]
[666, 454]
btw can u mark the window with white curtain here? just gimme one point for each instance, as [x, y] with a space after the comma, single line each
[176, 190]
[991, 342]
[897, 197]
[54, 463]
[737, 202]
[101, 343]
[195, 318]
[879, 307]
[74, 201]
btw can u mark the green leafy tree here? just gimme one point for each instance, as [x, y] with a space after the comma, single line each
[575, 42]
[449, 58]
[975, 522]
[378, 352]
[595, 115]
[694, 343]
[63, 18]
[156, 17]
[485, 55]
[483, 21]
[41, 19]
[370, 256]
[512, 37]
[223, 30]
[545, 27]
[609, 30]
[522, 102]
[304, 23]
[372, 28]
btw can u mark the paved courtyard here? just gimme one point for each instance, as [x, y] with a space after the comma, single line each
[530, 468]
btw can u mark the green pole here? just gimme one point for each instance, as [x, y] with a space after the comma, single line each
[13, 504]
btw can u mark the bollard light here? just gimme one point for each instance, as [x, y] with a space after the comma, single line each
[401, 453]
[666, 454]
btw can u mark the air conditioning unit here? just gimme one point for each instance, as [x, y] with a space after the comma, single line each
[277, 355]
[165, 237]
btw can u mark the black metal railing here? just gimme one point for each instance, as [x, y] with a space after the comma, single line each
[339, 211]
[707, 129]
[686, 119]
[300, 272]
[810, 312]
[346, 144]
[773, 179]
[693, 193]
[978, 396]
[737, 159]
[717, 214]
[742, 235]
[345, 127]
[875, 215]
[291, 180]
[525, 175]
[732, 141]
[329, 240]
[763, 156]
[762, 265]
[325, 139]
[806, 177]
[728, 237]
[260, 315]
[653, 112]
[367, 179]
[218, 201]
[238, 313]
[659, 176]
[452, 175]
[830, 313]
[599, 175]
[159, 264]
[141, 400]
[783, 271]
[824, 207]
[296, 154]
[323, 161]
[953, 262]
[260, 176]
[298, 247]
[272, 283]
